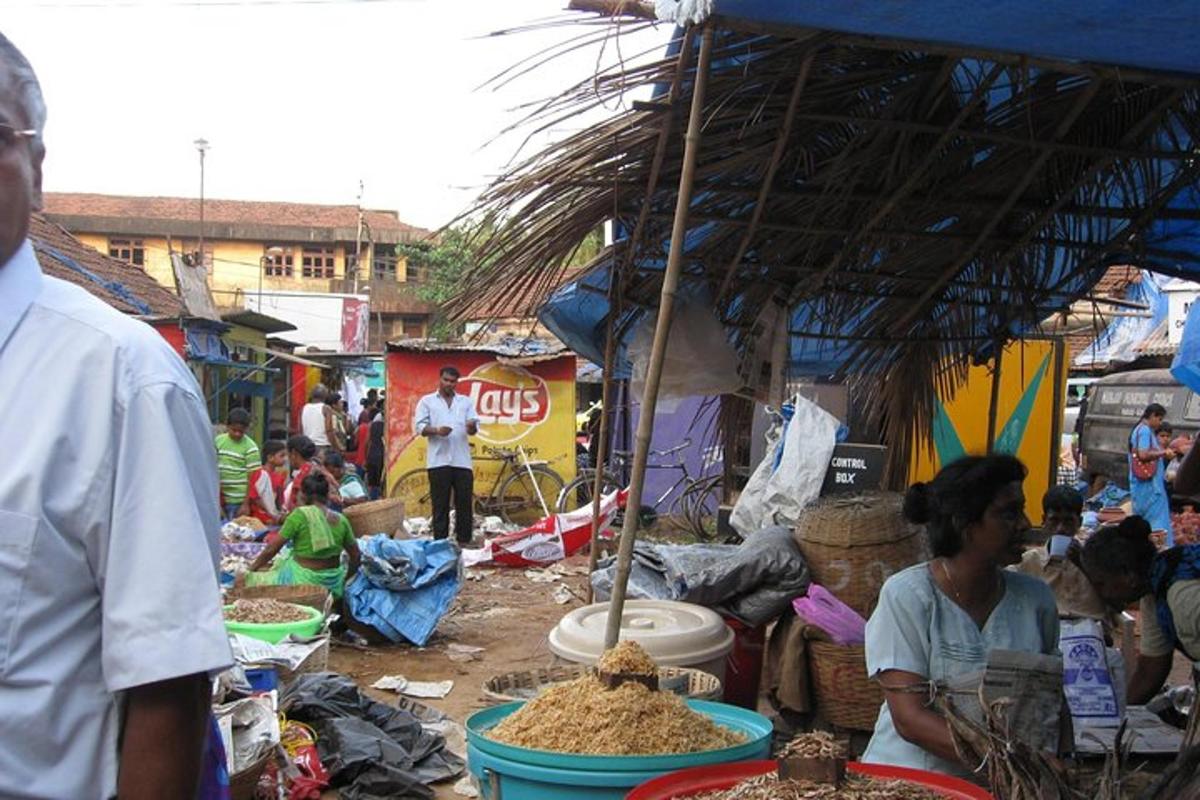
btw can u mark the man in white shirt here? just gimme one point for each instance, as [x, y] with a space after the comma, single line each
[446, 419]
[108, 523]
[316, 420]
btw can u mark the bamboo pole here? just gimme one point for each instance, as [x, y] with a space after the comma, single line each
[662, 330]
[606, 411]
[616, 291]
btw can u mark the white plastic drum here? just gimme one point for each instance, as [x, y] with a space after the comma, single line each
[674, 634]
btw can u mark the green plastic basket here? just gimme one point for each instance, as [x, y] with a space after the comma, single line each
[275, 632]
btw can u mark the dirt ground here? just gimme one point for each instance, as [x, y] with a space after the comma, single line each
[503, 612]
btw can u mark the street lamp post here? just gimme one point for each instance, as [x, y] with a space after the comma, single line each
[202, 147]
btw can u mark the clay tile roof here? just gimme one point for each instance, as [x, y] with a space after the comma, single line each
[186, 211]
[109, 279]
[1114, 283]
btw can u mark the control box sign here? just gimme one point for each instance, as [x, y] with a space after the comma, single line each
[854, 468]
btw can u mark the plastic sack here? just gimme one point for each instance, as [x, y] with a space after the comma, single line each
[699, 360]
[1094, 695]
[778, 495]
[841, 623]
[753, 582]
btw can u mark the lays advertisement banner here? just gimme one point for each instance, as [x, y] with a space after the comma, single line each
[531, 407]
[1033, 381]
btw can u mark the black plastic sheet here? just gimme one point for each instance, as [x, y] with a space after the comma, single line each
[372, 750]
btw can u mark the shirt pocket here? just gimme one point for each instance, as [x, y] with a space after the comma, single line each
[17, 534]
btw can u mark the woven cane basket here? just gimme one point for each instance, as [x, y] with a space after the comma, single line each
[527, 684]
[316, 661]
[852, 544]
[845, 695]
[377, 516]
[242, 785]
[302, 594]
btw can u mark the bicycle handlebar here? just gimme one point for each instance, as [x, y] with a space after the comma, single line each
[625, 454]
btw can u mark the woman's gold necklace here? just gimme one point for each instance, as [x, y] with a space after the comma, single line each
[954, 585]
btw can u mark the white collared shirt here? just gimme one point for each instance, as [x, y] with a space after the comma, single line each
[108, 530]
[446, 451]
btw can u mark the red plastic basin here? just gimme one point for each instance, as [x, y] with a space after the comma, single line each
[723, 776]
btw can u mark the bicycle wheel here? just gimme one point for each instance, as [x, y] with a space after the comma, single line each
[578, 493]
[413, 488]
[703, 499]
[518, 501]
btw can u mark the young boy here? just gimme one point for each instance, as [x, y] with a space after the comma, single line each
[1058, 562]
[237, 456]
[266, 484]
[349, 485]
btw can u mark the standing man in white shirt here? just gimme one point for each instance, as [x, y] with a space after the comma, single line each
[108, 536]
[446, 419]
[316, 421]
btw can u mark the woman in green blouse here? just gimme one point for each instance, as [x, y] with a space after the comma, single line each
[318, 536]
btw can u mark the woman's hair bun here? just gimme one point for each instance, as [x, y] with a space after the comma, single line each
[1134, 528]
[918, 503]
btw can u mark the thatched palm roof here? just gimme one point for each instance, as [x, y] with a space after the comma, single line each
[911, 205]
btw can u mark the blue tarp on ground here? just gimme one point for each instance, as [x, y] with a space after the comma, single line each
[1157, 35]
[403, 588]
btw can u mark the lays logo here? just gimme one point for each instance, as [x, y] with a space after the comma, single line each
[510, 401]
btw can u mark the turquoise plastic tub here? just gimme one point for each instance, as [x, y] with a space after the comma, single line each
[506, 772]
[276, 632]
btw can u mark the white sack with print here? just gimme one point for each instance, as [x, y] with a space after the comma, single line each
[776, 496]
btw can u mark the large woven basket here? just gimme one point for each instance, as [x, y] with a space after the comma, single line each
[302, 594]
[377, 516]
[527, 684]
[845, 695]
[852, 544]
[242, 785]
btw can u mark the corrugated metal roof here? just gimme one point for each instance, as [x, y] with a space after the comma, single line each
[1157, 343]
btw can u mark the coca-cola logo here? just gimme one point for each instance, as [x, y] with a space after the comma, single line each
[510, 401]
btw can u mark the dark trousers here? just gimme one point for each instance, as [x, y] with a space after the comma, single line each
[443, 480]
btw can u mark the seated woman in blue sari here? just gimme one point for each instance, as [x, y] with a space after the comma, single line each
[318, 537]
[938, 619]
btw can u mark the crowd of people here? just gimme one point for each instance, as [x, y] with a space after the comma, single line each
[298, 487]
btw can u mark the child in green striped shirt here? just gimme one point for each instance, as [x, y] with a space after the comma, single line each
[237, 457]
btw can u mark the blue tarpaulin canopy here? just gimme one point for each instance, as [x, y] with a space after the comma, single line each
[910, 184]
[1067, 54]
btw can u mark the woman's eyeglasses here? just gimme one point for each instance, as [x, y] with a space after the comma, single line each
[9, 136]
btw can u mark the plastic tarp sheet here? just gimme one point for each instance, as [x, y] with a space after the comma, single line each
[1116, 343]
[699, 360]
[371, 750]
[1186, 365]
[753, 582]
[1156, 35]
[404, 587]
[784, 483]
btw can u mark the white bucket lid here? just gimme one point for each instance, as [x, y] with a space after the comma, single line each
[673, 633]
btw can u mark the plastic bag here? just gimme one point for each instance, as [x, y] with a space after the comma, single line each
[842, 623]
[777, 495]
[370, 749]
[699, 360]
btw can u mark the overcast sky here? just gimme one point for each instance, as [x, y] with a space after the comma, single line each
[300, 99]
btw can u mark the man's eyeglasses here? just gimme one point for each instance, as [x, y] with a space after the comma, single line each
[9, 135]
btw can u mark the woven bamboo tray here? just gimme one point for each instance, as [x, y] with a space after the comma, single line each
[853, 544]
[300, 594]
[845, 695]
[527, 684]
[377, 516]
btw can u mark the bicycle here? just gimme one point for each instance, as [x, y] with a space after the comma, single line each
[523, 493]
[692, 511]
